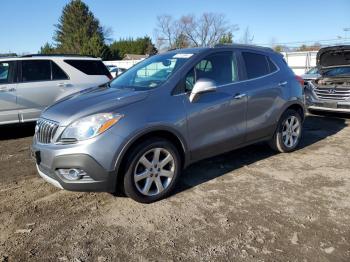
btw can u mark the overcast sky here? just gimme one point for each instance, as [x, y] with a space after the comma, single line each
[27, 25]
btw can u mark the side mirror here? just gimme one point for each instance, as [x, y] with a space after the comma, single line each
[203, 85]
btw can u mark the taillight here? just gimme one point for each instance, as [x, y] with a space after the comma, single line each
[109, 75]
[300, 80]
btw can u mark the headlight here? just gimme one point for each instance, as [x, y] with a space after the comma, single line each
[89, 127]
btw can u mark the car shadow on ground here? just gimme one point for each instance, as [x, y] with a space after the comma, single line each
[316, 128]
[16, 131]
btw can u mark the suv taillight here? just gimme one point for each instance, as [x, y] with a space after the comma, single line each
[300, 80]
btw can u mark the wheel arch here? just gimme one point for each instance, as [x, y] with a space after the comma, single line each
[294, 105]
[162, 132]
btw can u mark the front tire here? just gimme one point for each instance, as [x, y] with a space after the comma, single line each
[152, 170]
[288, 133]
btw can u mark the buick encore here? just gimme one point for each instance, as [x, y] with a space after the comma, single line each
[139, 131]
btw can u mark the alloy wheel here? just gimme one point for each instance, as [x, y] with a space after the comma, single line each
[154, 171]
[291, 131]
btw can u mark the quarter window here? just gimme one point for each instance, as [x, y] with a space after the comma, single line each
[36, 70]
[256, 65]
[57, 72]
[220, 67]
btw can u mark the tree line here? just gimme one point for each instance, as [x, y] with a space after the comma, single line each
[78, 31]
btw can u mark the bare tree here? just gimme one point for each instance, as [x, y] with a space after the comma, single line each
[168, 32]
[207, 30]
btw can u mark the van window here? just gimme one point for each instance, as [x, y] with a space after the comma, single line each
[256, 64]
[57, 72]
[220, 67]
[89, 67]
[5, 72]
[36, 70]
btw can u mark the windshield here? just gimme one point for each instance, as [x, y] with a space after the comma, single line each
[313, 70]
[338, 71]
[150, 73]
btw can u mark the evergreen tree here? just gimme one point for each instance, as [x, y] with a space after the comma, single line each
[138, 46]
[226, 38]
[47, 49]
[79, 32]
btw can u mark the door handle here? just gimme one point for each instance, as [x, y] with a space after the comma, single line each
[61, 84]
[282, 83]
[6, 89]
[239, 96]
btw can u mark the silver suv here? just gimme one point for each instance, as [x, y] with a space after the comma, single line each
[140, 130]
[30, 83]
[330, 91]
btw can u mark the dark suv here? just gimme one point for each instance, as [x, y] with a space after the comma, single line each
[139, 131]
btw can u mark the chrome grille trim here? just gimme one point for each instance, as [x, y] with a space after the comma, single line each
[45, 130]
[339, 94]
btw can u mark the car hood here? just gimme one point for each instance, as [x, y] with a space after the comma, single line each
[334, 56]
[96, 100]
[310, 76]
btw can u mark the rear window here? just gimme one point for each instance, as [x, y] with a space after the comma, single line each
[258, 65]
[89, 67]
[36, 70]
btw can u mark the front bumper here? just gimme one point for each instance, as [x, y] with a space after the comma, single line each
[97, 158]
[312, 102]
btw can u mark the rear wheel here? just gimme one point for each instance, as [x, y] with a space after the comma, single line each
[288, 133]
[153, 168]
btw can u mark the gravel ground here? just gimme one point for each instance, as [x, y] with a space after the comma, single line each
[247, 205]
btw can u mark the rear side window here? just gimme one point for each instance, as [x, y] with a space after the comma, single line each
[89, 67]
[6, 72]
[272, 66]
[257, 65]
[57, 72]
[36, 70]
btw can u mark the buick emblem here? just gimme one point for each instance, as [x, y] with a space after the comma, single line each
[331, 91]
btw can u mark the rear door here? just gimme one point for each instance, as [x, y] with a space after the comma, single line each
[41, 82]
[8, 85]
[264, 89]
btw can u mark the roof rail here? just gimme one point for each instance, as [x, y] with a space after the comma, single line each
[61, 55]
[4, 57]
[244, 46]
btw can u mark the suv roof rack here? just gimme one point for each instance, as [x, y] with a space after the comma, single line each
[61, 55]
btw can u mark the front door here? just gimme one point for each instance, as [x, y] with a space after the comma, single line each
[216, 120]
[8, 106]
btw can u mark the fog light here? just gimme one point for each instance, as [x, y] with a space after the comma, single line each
[72, 173]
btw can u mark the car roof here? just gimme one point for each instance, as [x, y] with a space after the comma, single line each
[48, 57]
[197, 50]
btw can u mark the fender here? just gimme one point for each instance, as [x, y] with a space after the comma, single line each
[154, 128]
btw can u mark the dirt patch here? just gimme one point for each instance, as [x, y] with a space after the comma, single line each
[247, 205]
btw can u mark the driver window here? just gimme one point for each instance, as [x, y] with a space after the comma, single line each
[220, 67]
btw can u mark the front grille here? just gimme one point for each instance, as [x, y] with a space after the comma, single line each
[338, 94]
[45, 130]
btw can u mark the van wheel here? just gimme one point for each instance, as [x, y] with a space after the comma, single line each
[288, 133]
[153, 168]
